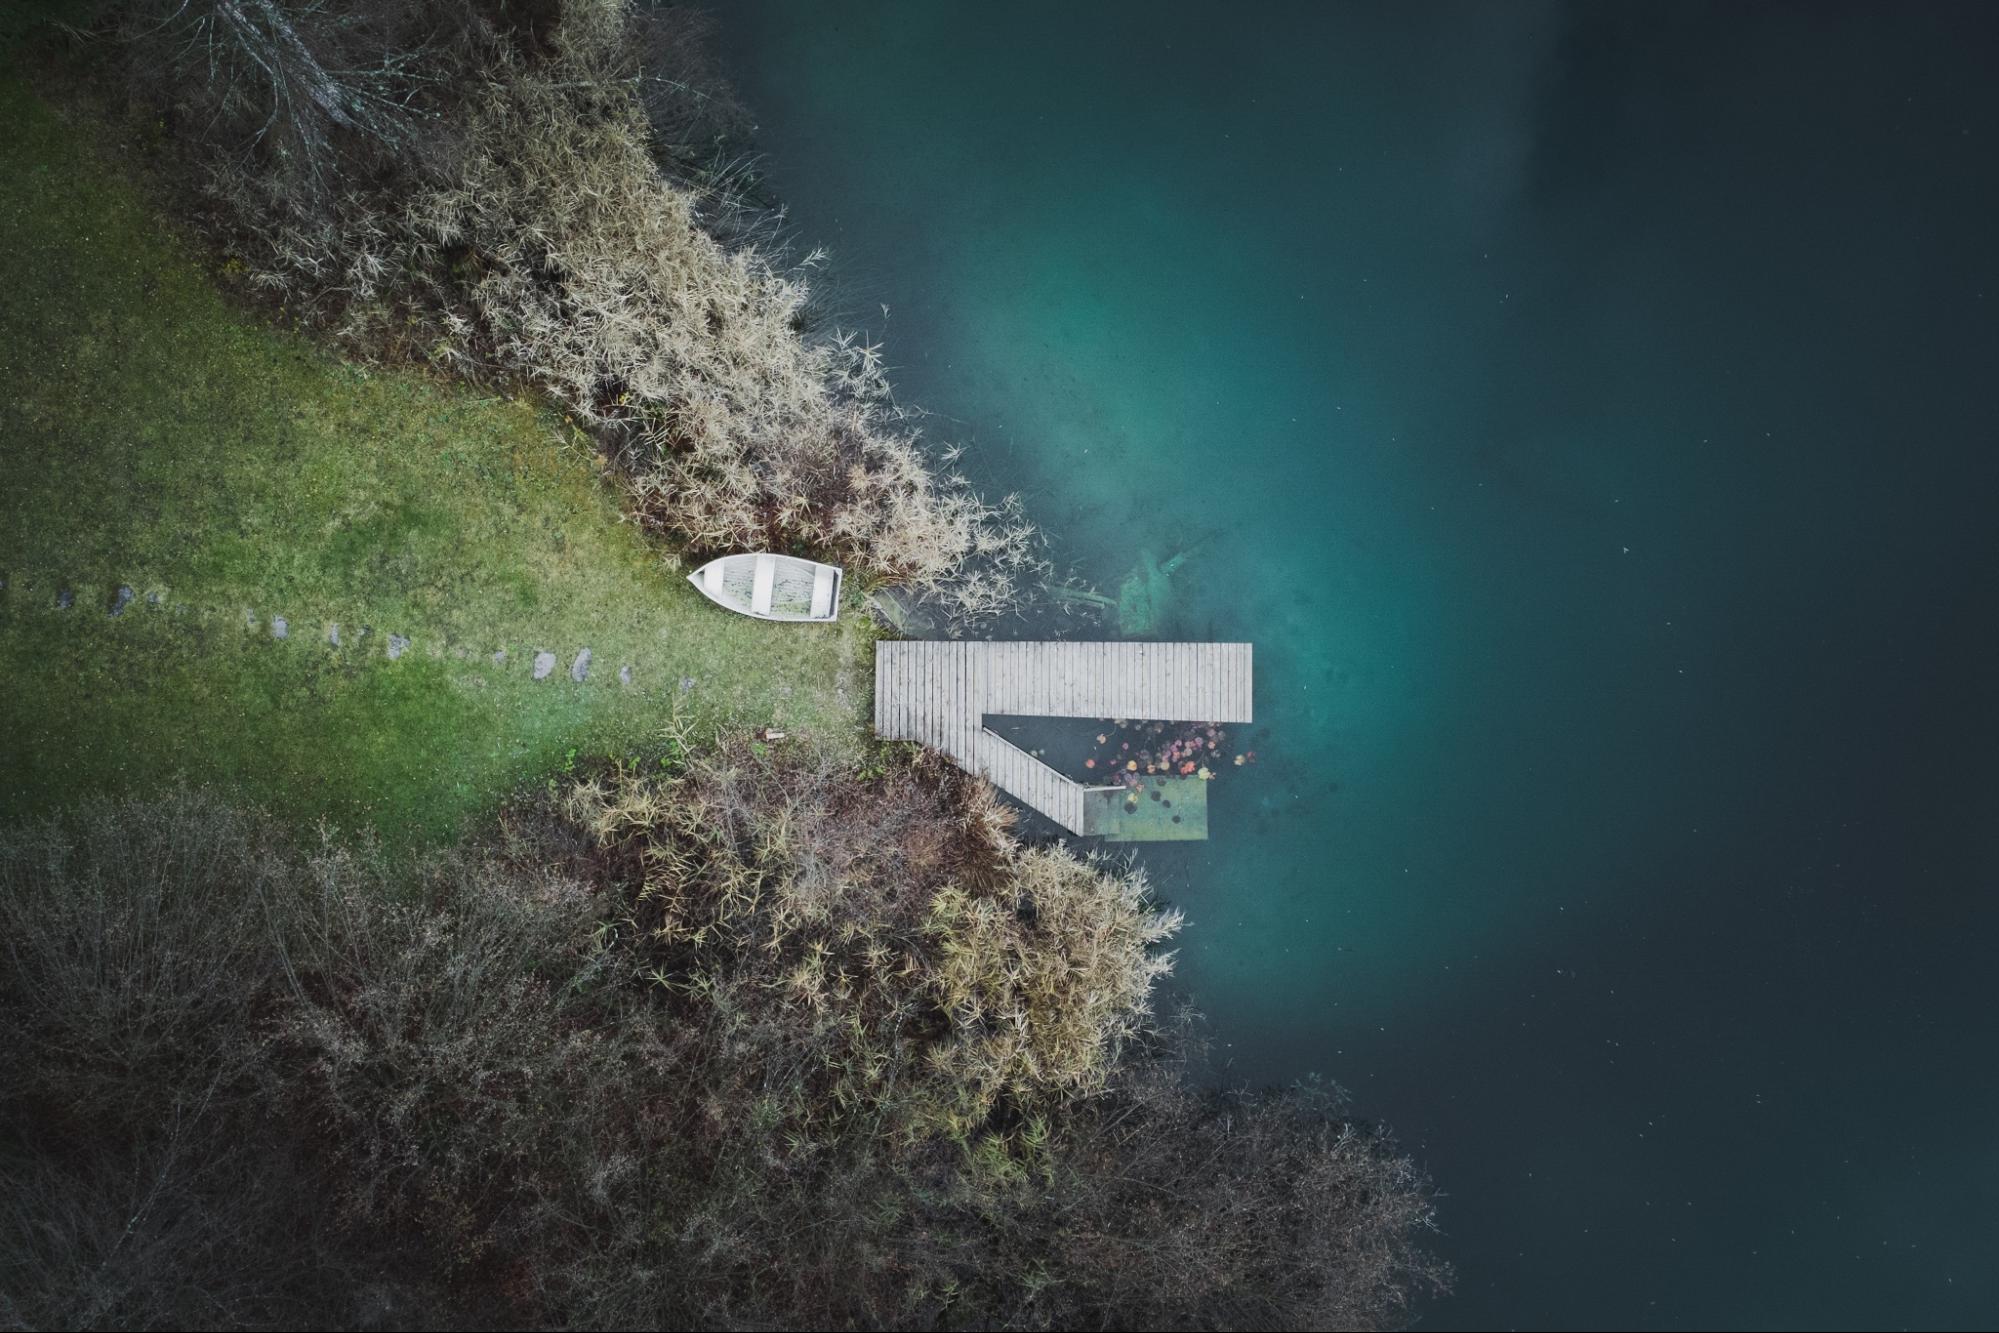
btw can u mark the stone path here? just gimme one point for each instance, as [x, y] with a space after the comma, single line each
[395, 646]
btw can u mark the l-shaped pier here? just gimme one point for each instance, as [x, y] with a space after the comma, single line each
[939, 693]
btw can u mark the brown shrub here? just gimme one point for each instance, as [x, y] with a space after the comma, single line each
[1175, 1208]
[985, 976]
[713, 1060]
[430, 186]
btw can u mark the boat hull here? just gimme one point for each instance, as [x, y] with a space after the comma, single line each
[765, 586]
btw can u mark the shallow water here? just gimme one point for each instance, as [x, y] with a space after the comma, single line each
[1591, 418]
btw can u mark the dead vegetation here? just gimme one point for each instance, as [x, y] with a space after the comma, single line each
[557, 197]
[895, 919]
[767, 1044]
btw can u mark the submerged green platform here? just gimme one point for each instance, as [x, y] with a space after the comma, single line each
[1168, 809]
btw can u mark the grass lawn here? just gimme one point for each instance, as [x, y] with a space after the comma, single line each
[155, 436]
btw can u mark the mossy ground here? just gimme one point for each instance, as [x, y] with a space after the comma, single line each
[152, 434]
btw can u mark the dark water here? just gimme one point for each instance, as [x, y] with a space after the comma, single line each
[1594, 410]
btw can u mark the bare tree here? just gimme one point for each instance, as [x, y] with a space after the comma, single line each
[773, 1043]
[300, 83]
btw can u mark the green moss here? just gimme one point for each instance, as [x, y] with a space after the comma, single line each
[1167, 809]
[153, 435]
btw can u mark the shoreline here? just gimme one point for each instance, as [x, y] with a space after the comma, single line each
[632, 956]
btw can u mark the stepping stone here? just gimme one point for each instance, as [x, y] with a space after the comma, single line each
[333, 634]
[579, 670]
[65, 599]
[624, 675]
[500, 658]
[686, 684]
[397, 646]
[544, 665]
[121, 601]
[280, 628]
[152, 599]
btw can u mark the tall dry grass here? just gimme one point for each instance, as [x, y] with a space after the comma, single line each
[767, 1045]
[898, 920]
[428, 183]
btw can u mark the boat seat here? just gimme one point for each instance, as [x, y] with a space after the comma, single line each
[822, 593]
[712, 576]
[766, 580]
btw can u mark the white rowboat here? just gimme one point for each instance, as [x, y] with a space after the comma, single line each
[771, 587]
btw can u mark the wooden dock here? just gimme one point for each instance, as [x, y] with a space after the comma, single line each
[940, 693]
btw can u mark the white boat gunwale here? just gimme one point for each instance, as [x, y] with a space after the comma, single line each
[767, 586]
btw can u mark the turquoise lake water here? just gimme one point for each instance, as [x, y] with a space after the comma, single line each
[1591, 417]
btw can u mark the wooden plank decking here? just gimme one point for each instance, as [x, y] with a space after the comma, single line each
[939, 693]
